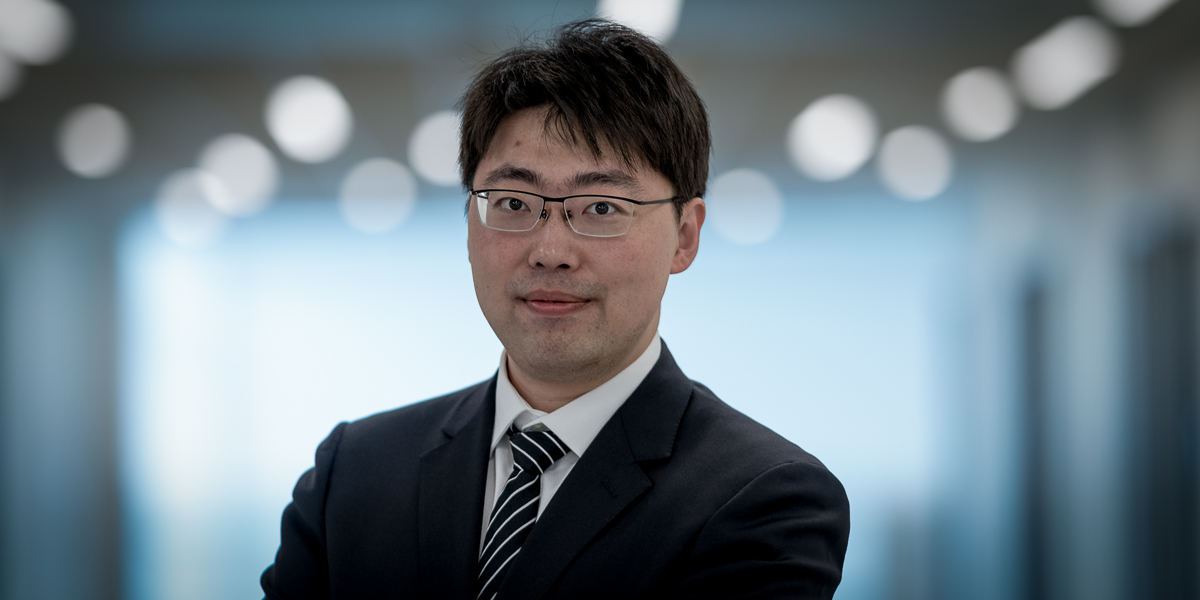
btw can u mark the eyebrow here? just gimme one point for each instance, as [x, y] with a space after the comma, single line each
[512, 173]
[613, 177]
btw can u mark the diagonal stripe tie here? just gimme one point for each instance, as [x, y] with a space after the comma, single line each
[516, 508]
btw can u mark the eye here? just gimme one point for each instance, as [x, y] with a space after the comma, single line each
[603, 208]
[509, 203]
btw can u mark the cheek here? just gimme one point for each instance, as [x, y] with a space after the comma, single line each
[482, 262]
[493, 259]
[639, 273]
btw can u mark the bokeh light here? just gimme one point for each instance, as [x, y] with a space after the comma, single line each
[377, 195]
[186, 207]
[11, 75]
[657, 19]
[36, 32]
[1131, 13]
[309, 119]
[745, 207]
[94, 140]
[247, 170]
[1065, 62]
[915, 163]
[979, 105]
[179, 342]
[832, 137]
[433, 148]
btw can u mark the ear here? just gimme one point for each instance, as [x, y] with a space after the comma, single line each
[690, 223]
[471, 222]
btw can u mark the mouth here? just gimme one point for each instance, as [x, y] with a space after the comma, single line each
[549, 303]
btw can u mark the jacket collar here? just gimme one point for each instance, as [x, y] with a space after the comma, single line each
[481, 396]
[450, 497]
[604, 482]
[606, 479]
[652, 414]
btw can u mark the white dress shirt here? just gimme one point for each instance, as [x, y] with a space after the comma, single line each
[576, 424]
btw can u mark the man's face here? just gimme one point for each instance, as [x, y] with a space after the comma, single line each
[567, 307]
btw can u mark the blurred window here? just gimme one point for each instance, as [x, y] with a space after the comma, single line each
[1036, 352]
[1165, 466]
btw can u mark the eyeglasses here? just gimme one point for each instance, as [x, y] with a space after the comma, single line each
[592, 215]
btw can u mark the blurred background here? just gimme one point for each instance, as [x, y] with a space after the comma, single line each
[951, 251]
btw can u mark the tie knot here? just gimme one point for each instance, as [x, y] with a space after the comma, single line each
[535, 451]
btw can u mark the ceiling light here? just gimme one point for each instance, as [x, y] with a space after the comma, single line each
[309, 119]
[433, 148]
[1131, 13]
[657, 19]
[377, 195]
[745, 206]
[246, 169]
[832, 137]
[1064, 63]
[37, 32]
[94, 140]
[978, 104]
[185, 207]
[915, 163]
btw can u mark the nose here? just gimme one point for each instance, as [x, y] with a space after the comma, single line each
[555, 244]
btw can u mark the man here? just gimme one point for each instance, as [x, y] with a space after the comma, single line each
[589, 466]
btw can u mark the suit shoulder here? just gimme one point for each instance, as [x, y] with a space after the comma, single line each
[412, 421]
[738, 436]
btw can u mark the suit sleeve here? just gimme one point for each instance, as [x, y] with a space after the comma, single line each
[782, 536]
[301, 569]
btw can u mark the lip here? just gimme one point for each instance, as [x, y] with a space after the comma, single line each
[551, 303]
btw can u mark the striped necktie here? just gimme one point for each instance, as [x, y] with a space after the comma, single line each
[517, 507]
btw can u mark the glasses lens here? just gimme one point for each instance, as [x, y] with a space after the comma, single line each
[598, 216]
[508, 211]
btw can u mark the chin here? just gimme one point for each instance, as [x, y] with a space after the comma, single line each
[561, 357]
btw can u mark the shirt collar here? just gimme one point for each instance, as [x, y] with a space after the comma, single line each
[580, 420]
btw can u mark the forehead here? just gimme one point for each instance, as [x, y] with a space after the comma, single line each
[528, 149]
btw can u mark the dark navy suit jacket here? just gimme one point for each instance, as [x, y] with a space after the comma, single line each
[679, 496]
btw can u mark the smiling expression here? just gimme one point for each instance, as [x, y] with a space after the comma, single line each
[567, 307]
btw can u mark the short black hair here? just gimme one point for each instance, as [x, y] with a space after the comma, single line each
[601, 83]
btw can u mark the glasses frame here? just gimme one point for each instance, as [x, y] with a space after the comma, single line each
[546, 214]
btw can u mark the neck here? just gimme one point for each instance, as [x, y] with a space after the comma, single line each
[549, 396]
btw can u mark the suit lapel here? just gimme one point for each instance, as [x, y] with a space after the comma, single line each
[450, 498]
[604, 482]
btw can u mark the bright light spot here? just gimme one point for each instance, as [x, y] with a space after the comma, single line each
[34, 31]
[979, 105]
[915, 163]
[1131, 13]
[185, 207]
[832, 137]
[657, 19]
[10, 76]
[309, 119]
[378, 195]
[1064, 63]
[247, 170]
[433, 148]
[93, 140]
[745, 207]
